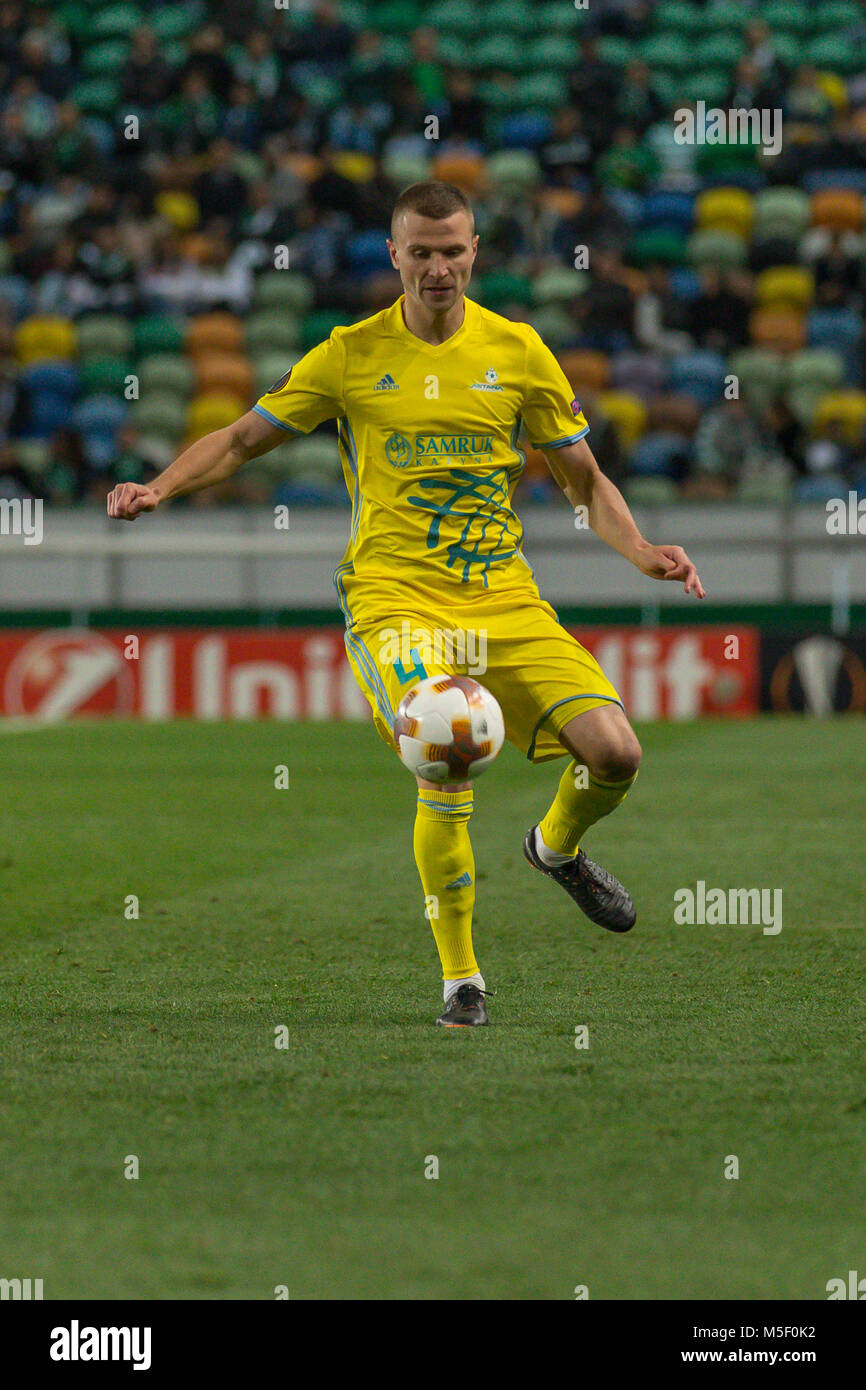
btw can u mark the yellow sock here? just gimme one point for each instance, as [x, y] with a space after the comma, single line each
[446, 864]
[576, 807]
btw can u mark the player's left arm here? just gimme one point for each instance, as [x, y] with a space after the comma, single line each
[575, 469]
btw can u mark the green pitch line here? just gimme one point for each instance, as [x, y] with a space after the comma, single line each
[305, 1167]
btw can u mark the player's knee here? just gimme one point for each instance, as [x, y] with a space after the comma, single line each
[617, 760]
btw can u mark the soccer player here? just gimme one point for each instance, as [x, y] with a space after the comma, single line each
[429, 398]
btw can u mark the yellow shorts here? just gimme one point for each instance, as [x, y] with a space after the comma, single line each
[512, 644]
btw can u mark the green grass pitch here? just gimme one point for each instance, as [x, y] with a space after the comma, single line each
[305, 1166]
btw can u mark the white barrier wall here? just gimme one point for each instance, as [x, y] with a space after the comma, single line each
[215, 557]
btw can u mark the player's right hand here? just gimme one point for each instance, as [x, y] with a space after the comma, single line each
[126, 501]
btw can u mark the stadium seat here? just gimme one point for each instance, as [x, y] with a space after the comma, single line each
[667, 50]
[700, 375]
[97, 96]
[660, 454]
[272, 330]
[269, 367]
[554, 325]
[104, 59]
[725, 209]
[786, 287]
[464, 169]
[456, 16]
[840, 209]
[781, 330]
[585, 369]
[559, 285]
[640, 374]
[403, 167]
[780, 212]
[105, 374]
[820, 489]
[228, 372]
[668, 207]
[792, 16]
[500, 287]
[513, 171]
[276, 289]
[367, 252]
[720, 249]
[667, 245]
[33, 455]
[210, 333]
[158, 333]
[166, 371]
[99, 414]
[760, 373]
[44, 336]
[116, 21]
[104, 335]
[499, 51]
[649, 491]
[52, 378]
[525, 130]
[772, 488]
[213, 412]
[179, 208]
[317, 327]
[16, 295]
[672, 413]
[395, 17]
[841, 329]
[627, 414]
[159, 413]
[846, 408]
[176, 21]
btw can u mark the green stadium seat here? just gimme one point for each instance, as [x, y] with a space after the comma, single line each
[396, 51]
[515, 17]
[116, 21]
[316, 327]
[161, 413]
[834, 51]
[513, 171]
[787, 16]
[287, 289]
[836, 15]
[783, 211]
[554, 325]
[268, 367]
[499, 51]
[559, 285]
[458, 17]
[177, 21]
[678, 16]
[76, 19]
[808, 376]
[725, 14]
[500, 287]
[711, 246]
[706, 84]
[104, 374]
[760, 373]
[454, 50]
[719, 50]
[33, 455]
[396, 17]
[551, 51]
[166, 371]
[104, 335]
[658, 244]
[402, 167]
[105, 59]
[615, 49]
[320, 88]
[544, 90]
[317, 455]
[156, 333]
[97, 96]
[272, 329]
[772, 489]
[667, 50]
[556, 18]
[650, 492]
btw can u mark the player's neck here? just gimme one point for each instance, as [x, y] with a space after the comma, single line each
[433, 328]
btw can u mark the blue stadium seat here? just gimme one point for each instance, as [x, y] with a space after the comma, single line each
[660, 454]
[668, 208]
[366, 253]
[699, 375]
[525, 130]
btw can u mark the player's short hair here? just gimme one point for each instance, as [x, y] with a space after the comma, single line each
[432, 199]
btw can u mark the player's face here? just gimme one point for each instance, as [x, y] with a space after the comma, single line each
[434, 258]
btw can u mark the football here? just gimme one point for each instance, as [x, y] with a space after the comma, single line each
[448, 729]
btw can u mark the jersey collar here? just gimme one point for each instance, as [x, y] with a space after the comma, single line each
[433, 349]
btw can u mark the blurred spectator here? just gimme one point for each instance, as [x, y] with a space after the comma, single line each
[145, 78]
[719, 316]
[662, 319]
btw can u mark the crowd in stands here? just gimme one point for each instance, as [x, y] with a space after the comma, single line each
[192, 195]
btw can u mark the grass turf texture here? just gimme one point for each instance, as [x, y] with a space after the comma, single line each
[305, 1167]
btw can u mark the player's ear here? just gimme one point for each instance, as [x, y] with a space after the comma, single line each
[392, 250]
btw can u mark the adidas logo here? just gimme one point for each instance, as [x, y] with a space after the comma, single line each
[462, 882]
[387, 383]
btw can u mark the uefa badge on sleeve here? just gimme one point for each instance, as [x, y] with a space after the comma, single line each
[575, 407]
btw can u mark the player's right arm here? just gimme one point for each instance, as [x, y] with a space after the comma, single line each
[209, 460]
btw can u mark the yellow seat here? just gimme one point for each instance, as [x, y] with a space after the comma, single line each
[785, 287]
[213, 411]
[847, 408]
[626, 413]
[725, 209]
[179, 208]
[45, 336]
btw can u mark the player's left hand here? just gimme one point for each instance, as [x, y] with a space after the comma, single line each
[670, 562]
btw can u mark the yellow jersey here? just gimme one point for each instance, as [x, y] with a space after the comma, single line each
[428, 437]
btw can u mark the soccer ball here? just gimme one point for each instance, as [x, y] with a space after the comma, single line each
[448, 729]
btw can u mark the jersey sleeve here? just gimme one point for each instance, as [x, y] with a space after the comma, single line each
[312, 391]
[552, 416]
